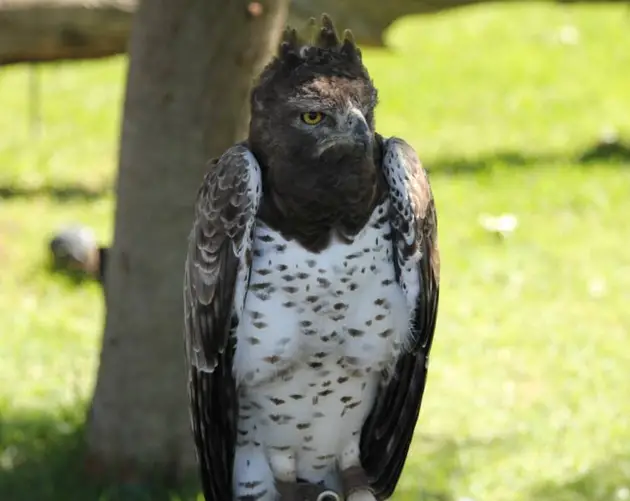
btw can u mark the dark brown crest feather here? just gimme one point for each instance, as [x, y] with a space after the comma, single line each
[289, 36]
[309, 30]
[349, 46]
[289, 46]
[328, 38]
[298, 61]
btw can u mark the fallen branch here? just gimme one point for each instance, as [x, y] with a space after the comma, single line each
[51, 30]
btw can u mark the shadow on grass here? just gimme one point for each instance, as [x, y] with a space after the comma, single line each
[65, 193]
[607, 481]
[435, 477]
[608, 153]
[614, 153]
[438, 469]
[72, 277]
[41, 459]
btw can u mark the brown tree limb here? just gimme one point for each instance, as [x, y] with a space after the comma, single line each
[50, 30]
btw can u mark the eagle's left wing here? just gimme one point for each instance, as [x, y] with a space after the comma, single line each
[215, 281]
[388, 431]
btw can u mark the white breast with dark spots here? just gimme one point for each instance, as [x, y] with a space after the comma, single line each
[316, 333]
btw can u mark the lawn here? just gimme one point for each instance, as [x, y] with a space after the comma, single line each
[528, 398]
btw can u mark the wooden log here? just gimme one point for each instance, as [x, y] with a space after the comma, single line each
[51, 30]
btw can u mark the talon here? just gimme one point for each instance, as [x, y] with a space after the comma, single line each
[354, 479]
[288, 491]
[328, 496]
[305, 491]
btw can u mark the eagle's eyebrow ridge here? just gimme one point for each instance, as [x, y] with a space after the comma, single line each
[312, 103]
[317, 102]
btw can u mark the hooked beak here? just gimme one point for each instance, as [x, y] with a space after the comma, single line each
[353, 134]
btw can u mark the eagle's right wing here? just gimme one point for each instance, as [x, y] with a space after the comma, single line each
[215, 284]
[389, 429]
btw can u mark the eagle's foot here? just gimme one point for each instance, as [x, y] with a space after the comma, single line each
[356, 486]
[304, 491]
[287, 491]
[364, 495]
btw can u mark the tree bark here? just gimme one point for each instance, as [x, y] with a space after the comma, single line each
[191, 64]
[47, 30]
[50, 30]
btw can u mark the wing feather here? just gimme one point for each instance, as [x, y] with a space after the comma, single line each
[388, 431]
[215, 280]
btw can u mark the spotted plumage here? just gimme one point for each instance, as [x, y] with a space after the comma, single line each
[311, 289]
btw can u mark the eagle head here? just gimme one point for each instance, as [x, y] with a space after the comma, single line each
[312, 120]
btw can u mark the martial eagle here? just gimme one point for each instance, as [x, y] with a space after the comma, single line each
[311, 289]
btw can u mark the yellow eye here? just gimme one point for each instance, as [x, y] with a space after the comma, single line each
[312, 117]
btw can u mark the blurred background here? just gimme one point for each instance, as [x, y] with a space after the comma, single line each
[521, 114]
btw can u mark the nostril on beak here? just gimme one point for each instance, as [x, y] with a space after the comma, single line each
[360, 128]
[328, 496]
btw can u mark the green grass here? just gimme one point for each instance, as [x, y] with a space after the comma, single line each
[528, 398]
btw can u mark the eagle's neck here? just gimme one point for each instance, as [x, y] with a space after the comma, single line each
[312, 213]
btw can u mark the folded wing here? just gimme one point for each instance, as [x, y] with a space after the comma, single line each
[389, 429]
[215, 283]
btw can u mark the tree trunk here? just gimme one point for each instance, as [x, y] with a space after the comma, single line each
[191, 65]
